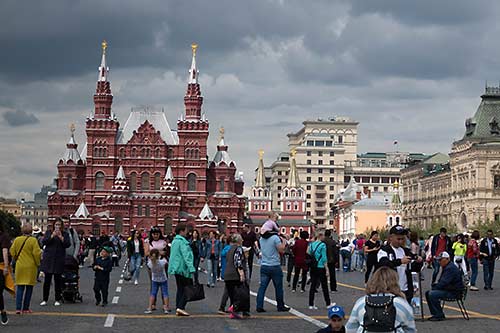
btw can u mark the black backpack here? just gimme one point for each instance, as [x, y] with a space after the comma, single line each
[311, 260]
[380, 314]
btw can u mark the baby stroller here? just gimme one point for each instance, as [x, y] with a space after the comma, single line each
[71, 281]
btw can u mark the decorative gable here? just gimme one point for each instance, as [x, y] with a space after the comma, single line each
[146, 134]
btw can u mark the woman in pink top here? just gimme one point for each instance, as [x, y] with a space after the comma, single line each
[155, 241]
[473, 256]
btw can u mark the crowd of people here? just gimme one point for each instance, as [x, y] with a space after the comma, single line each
[389, 268]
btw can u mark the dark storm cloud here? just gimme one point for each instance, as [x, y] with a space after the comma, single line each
[20, 118]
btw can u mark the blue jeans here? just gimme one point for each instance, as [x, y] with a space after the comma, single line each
[212, 271]
[268, 273]
[473, 268]
[436, 266]
[135, 265]
[488, 270]
[20, 305]
[346, 260]
[155, 286]
[360, 260]
[434, 298]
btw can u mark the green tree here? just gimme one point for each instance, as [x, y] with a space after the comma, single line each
[10, 224]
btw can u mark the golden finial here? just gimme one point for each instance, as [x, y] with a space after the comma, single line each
[221, 132]
[194, 46]
[261, 153]
[396, 184]
[72, 128]
[104, 46]
[293, 152]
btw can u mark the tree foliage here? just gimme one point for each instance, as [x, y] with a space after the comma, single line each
[10, 224]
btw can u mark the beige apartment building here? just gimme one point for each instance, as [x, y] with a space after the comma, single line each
[10, 206]
[464, 187]
[327, 159]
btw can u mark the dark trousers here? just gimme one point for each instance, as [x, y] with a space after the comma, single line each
[296, 278]
[251, 253]
[333, 276]
[23, 297]
[434, 298]
[57, 286]
[101, 291]
[289, 268]
[196, 263]
[370, 264]
[181, 282]
[488, 271]
[318, 276]
[230, 286]
[223, 300]
[408, 295]
[2, 287]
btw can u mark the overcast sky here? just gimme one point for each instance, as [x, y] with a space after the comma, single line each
[406, 70]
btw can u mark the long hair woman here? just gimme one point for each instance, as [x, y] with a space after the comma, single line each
[135, 251]
[384, 282]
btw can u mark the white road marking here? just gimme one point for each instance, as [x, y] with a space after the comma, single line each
[294, 312]
[110, 319]
[120, 281]
[118, 289]
[121, 276]
[115, 300]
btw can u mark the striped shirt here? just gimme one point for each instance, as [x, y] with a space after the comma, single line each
[404, 316]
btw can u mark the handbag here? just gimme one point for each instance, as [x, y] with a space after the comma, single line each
[127, 276]
[194, 292]
[14, 259]
[242, 298]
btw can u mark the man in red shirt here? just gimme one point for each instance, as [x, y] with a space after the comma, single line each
[440, 243]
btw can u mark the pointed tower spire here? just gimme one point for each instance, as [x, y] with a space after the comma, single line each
[82, 211]
[293, 176]
[120, 183]
[103, 69]
[103, 97]
[193, 71]
[121, 174]
[206, 213]
[193, 99]
[221, 137]
[71, 153]
[261, 177]
[168, 184]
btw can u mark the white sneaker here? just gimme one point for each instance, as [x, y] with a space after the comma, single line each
[136, 282]
[331, 304]
[57, 304]
[43, 303]
[313, 307]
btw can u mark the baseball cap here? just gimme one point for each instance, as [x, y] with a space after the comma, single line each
[442, 255]
[398, 230]
[107, 249]
[337, 311]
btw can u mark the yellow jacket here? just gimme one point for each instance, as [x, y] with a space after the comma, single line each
[28, 260]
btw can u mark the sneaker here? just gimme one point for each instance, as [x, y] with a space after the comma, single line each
[181, 313]
[294, 291]
[221, 311]
[284, 309]
[148, 311]
[331, 304]
[18, 311]
[97, 303]
[44, 303]
[167, 311]
[104, 304]
[57, 303]
[136, 282]
[333, 291]
[230, 309]
[5, 319]
[313, 307]
[260, 310]
[302, 291]
[474, 288]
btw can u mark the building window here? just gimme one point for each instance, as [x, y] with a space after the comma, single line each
[496, 182]
[308, 162]
[308, 170]
[308, 205]
[347, 179]
[133, 181]
[320, 170]
[134, 152]
[320, 153]
[170, 154]
[375, 189]
[385, 180]
[145, 181]
[147, 211]
[98, 201]
[221, 184]
[397, 220]
[332, 153]
[332, 162]
[122, 152]
[319, 143]
[320, 179]
[320, 162]
[329, 143]
[279, 180]
[191, 182]
[310, 143]
[295, 206]
[167, 225]
[99, 181]
[332, 188]
[70, 182]
[497, 217]
[308, 153]
[308, 187]
[375, 180]
[279, 173]
[308, 179]
[118, 224]
[332, 196]
[157, 181]
[96, 229]
[365, 180]
[341, 139]
[139, 210]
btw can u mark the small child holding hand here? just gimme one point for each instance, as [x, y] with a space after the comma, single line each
[158, 280]
[102, 268]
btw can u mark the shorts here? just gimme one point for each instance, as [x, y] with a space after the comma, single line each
[157, 285]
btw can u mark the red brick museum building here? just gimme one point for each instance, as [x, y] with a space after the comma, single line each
[146, 174]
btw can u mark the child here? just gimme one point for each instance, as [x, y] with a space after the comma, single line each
[337, 316]
[270, 227]
[102, 267]
[158, 280]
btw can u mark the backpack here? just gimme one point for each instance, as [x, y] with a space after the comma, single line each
[380, 314]
[311, 260]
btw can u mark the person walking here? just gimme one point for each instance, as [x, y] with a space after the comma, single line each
[27, 254]
[235, 275]
[154, 242]
[371, 249]
[346, 250]
[211, 254]
[440, 243]
[384, 283]
[250, 241]
[135, 251]
[489, 252]
[331, 252]
[319, 274]
[359, 253]
[159, 281]
[181, 265]
[4, 263]
[270, 270]
[225, 295]
[290, 259]
[459, 250]
[102, 268]
[55, 243]
[299, 251]
[473, 257]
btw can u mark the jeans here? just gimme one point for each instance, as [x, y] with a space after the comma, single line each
[346, 260]
[488, 270]
[437, 267]
[196, 264]
[298, 269]
[473, 268]
[268, 273]
[57, 286]
[333, 277]
[135, 265]
[181, 282]
[434, 298]
[359, 260]
[155, 286]
[20, 305]
[212, 271]
[318, 276]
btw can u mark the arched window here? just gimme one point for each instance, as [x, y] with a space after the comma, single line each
[145, 181]
[134, 152]
[122, 152]
[295, 206]
[99, 181]
[96, 152]
[222, 188]
[288, 206]
[191, 179]
[133, 181]
[196, 153]
[157, 153]
[167, 225]
[157, 181]
[390, 220]
[96, 229]
[397, 220]
[170, 153]
[70, 182]
[118, 224]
